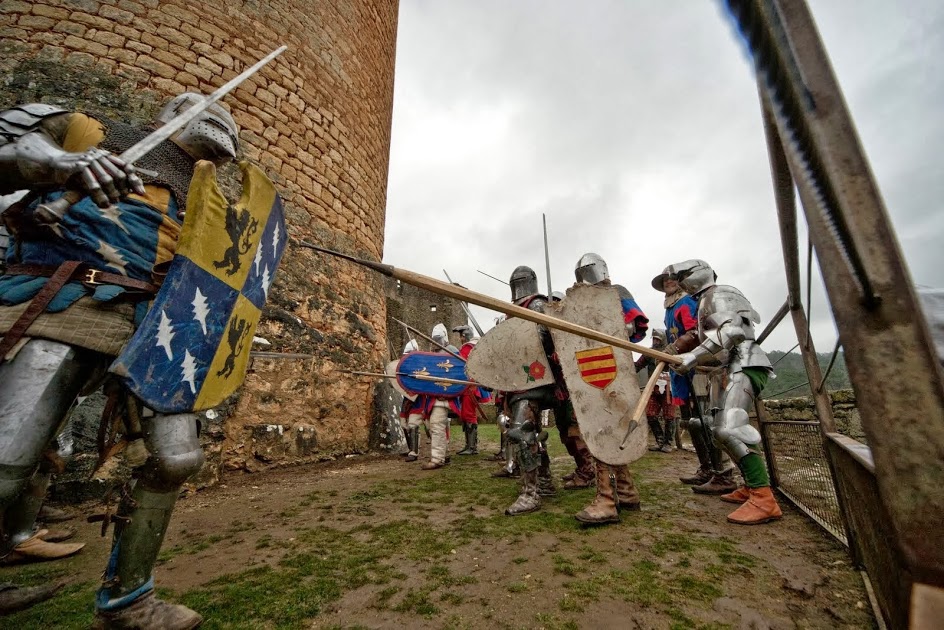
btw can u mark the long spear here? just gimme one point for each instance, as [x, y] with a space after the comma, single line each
[479, 299]
[419, 377]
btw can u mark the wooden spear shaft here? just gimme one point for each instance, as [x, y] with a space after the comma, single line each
[419, 377]
[643, 400]
[486, 301]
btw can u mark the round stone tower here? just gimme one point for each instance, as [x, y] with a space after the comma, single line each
[317, 120]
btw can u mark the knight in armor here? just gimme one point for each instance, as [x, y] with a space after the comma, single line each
[433, 411]
[73, 291]
[412, 434]
[715, 474]
[527, 441]
[470, 401]
[660, 410]
[616, 490]
[726, 322]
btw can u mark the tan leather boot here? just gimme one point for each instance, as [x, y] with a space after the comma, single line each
[760, 507]
[738, 496]
[147, 613]
[603, 508]
[35, 549]
[627, 496]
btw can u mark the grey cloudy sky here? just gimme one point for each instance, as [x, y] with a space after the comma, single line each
[634, 126]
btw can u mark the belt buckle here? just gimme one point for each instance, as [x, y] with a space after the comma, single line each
[91, 277]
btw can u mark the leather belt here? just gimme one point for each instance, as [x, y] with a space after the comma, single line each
[58, 276]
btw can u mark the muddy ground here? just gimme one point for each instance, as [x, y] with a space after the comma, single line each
[374, 542]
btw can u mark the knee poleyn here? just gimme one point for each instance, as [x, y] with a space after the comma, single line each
[174, 470]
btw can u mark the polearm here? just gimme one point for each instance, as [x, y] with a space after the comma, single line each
[479, 299]
[547, 256]
[492, 277]
[55, 211]
[465, 307]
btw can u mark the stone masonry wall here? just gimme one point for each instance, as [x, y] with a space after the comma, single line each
[317, 120]
[845, 413]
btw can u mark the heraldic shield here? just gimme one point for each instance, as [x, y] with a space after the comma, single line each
[510, 358]
[601, 379]
[192, 349]
[431, 365]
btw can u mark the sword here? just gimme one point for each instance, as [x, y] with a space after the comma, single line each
[54, 211]
[465, 307]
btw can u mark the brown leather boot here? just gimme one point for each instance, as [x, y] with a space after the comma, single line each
[701, 475]
[603, 508]
[761, 507]
[579, 481]
[626, 493]
[147, 613]
[740, 495]
[35, 549]
[718, 484]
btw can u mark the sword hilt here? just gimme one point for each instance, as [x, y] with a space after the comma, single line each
[55, 211]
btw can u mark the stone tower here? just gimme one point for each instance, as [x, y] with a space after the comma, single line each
[317, 120]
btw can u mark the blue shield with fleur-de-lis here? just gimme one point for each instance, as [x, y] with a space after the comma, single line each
[192, 349]
[431, 373]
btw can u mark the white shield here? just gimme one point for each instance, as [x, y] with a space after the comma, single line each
[391, 370]
[602, 379]
[510, 358]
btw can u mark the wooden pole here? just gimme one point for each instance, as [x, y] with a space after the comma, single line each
[511, 310]
[644, 400]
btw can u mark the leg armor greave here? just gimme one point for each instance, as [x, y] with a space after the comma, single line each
[523, 433]
[37, 389]
[175, 456]
[734, 430]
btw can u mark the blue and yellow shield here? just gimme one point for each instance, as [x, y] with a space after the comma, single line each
[192, 349]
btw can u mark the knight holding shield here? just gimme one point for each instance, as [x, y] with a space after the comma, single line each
[75, 295]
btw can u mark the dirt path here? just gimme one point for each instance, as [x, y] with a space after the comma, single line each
[374, 542]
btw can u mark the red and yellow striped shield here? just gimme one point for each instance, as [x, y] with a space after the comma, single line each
[597, 366]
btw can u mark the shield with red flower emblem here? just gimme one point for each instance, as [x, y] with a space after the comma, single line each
[601, 379]
[510, 358]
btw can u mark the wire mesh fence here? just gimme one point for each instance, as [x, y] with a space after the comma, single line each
[801, 472]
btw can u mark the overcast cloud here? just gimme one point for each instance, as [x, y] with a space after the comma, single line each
[634, 126]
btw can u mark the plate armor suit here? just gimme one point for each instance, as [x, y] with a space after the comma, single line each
[726, 322]
[527, 441]
[616, 490]
[73, 291]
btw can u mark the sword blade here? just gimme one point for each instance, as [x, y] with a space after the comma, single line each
[148, 144]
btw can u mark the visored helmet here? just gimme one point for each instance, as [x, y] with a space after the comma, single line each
[591, 269]
[524, 283]
[693, 275]
[213, 135]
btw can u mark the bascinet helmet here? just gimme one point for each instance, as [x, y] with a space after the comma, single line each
[591, 269]
[212, 135]
[557, 296]
[694, 275]
[524, 283]
[440, 335]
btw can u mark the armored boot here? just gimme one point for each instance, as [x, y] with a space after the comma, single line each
[413, 441]
[126, 598]
[471, 439]
[529, 500]
[740, 495]
[669, 433]
[500, 455]
[719, 483]
[546, 486]
[655, 425]
[510, 469]
[603, 508]
[627, 495]
[760, 507]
